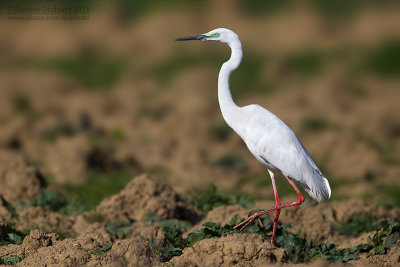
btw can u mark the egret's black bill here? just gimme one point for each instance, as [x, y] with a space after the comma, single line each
[194, 37]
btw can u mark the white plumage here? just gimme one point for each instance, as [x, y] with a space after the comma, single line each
[268, 138]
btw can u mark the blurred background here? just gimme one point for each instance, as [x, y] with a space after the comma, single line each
[90, 100]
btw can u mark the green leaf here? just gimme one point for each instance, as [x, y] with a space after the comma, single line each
[10, 208]
[16, 239]
[119, 229]
[107, 247]
[391, 239]
[230, 161]
[195, 237]
[182, 225]
[380, 249]
[210, 198]
[357, 224]
[150, 217]
[10, 260]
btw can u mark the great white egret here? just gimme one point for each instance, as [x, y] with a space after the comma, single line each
[268, 138]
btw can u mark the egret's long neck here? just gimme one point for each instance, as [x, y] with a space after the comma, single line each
[226, 103]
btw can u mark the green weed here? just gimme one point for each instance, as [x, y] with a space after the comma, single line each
[387, 153]
[337, 9]
[174, 244]
[9, 207]
[356, 224]
[118, 134]
[306, 62]
[221, 131]
[209, 198]
[101, 252]
[156, 113]
[264, 7]
[230, 161]
[316, 123]
[48, 200]
[22, 104]
[97, 187]
[57, 130]
[391, 192]
[119, 229]
[180, 225]
[10, 260]
[11, 236]
[158, 170]
[93, 72]
[384, 60]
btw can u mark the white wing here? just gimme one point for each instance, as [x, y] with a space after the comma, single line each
[275, 145]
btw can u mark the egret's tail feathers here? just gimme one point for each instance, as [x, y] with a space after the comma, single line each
[319, 189]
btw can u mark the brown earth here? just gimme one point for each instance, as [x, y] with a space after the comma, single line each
[39, 248]
[164, 128]
[144, 195]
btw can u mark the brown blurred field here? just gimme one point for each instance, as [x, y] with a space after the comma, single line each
[87, 105]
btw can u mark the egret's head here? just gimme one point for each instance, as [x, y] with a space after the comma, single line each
[221, 35]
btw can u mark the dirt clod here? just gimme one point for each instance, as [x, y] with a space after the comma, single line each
[37, 217]
[238, 249]
[144, 195]
[149, 231]
[18, 181]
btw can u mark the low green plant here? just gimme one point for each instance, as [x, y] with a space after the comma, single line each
[9, 207]
[210, 197]
[10, 260]
[101, 252]
[221, 131]
[119, 229]
[308, 62]
[94, 72]
[48, 200]
[230, 161]
[356, 224]
[98, 186]
[384, 60]
[181, 225]
[57, 130]
[174, 244]
[11, 236]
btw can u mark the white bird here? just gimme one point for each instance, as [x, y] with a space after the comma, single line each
[268, 138]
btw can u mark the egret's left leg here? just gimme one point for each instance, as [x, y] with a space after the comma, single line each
[277, 203]
[249, 220]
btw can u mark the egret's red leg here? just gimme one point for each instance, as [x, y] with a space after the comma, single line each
[277, 203]
[249, 220]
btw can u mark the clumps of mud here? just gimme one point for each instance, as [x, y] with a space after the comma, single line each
[145, 195]
[40, 249]
[238, 249]
[18, 180]
[37, 217]
[58, 240]
[90, 243]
